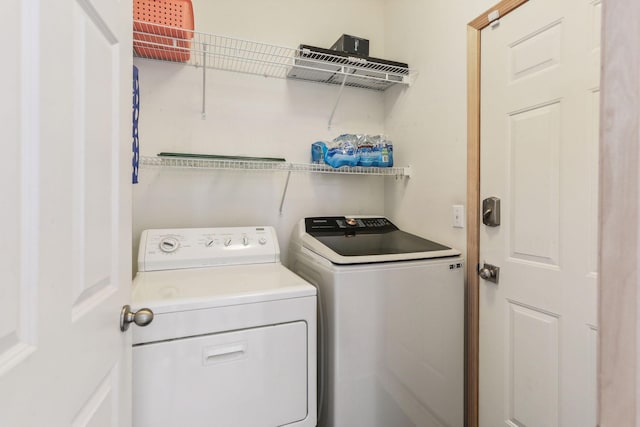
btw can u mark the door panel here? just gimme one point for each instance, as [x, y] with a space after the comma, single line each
[539, 136]
[17, 187]
[102, 407]
[532, 366]
[95, 151]
[535, 52]
[533, 184]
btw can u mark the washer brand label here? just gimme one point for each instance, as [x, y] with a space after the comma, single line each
[456, 266]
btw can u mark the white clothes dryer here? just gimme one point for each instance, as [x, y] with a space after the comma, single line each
[233, 339]
[391, 350]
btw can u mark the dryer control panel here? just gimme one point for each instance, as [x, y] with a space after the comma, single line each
[178, 248]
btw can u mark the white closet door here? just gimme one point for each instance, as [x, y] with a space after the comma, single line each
[539, 141]
[66, 213]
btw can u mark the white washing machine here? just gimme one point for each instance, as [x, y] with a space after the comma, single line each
[391, 348]
[233, 339]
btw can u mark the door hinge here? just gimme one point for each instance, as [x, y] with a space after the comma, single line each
[494, 18]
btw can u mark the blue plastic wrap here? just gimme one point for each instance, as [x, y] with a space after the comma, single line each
[381, 152]
[354, 150]
[342, 151]
[318, 151]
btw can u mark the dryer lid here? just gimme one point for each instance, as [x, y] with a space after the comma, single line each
[191, 289]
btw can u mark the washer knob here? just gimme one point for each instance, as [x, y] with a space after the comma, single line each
[227, 241]
[262, 241]
[245, 240]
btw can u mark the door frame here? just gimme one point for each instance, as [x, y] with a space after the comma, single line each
[618, 219]
[472, 337]
[619, 216]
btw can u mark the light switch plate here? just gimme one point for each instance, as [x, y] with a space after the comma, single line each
[458, 216]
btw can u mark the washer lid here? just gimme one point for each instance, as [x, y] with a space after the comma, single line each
[191, 289]
[347, 240]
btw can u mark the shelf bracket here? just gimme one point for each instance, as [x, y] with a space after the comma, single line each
[284, 192]
[204, 80]
[344, 79]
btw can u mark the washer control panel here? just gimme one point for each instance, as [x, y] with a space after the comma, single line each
[178, 248]
[338, 225]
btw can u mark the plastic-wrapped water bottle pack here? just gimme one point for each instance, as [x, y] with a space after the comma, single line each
[354, 150]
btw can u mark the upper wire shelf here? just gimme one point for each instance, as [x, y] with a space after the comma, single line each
[200, 49]
[202, 163]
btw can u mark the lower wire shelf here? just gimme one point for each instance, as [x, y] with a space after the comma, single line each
[225, 164]
[255, 165]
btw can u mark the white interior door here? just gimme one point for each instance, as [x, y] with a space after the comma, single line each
[539, 139]
[65, 179]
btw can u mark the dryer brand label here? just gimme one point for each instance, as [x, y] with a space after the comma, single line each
[456, 266]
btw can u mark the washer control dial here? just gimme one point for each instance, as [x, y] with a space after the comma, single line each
[169, 244]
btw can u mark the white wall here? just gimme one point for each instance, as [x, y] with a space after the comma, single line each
[429, 119]
[256, 116]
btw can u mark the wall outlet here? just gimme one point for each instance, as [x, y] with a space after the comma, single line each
[458, 216]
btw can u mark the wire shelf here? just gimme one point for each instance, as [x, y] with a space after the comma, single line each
[159, 42]
[198, 163]
[349, 170]
[223, 164]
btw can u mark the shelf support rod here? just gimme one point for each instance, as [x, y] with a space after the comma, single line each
[344, 79]
[284, 192]
[204, 80]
